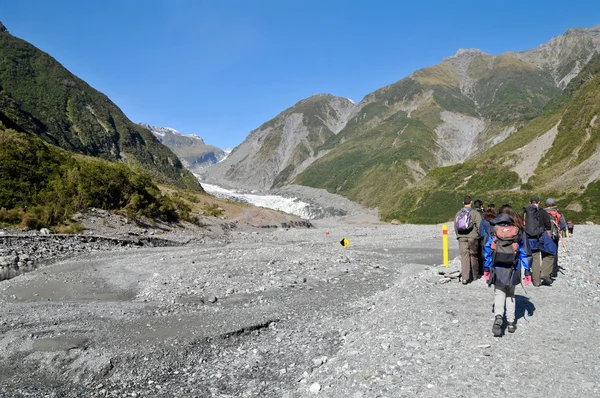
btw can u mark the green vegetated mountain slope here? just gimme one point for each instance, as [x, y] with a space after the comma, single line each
[554, 155]
[443, 116]
[275, 152]
[39, 96]
[42, 185]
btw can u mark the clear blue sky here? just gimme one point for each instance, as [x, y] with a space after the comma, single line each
[221, 68]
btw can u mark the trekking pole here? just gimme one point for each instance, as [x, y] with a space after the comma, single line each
[563, 242]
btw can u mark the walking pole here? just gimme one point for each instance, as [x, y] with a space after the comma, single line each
[563, 242]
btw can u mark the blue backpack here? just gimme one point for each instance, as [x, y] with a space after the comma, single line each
[463, 221]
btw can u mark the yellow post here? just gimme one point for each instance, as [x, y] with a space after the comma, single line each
[445, 243]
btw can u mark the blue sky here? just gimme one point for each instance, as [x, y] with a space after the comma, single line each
[221, 68]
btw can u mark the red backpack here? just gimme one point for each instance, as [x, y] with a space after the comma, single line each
[555, 214]
[505, 245]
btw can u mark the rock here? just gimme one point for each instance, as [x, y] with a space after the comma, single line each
[211, 299]
[45, 231]
[314, 388]
[444, 280]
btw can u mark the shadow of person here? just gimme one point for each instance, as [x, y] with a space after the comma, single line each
[523, 306]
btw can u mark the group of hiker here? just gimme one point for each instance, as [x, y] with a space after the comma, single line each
[498, 243]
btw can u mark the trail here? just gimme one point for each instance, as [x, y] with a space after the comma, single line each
[291, 313]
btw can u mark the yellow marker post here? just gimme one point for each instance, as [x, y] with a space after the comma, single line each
[445, 243]
[344, 242]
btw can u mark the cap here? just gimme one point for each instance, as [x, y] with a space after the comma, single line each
[550, 202]
[534, 198]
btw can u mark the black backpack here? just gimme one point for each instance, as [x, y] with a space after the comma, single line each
[533, 222]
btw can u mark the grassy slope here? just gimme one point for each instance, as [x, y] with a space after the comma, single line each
[40, 96]
[42, 185]
[368, 159]
[486, 177]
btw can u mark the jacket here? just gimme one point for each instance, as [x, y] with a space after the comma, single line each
[541, 242]
[473, 233]
[524, 256]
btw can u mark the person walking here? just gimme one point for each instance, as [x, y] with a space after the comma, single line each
[538, 228]
[506, 252]
[483, 227]
[559, 228]
[466, 228]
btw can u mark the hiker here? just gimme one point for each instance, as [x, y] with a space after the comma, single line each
[488, 215]
[570, 227]
[538, 228]
[483, 227]
[466, 227]
[506, 252]
[559, 227]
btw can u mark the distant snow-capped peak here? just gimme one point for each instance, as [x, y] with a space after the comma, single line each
[162, 131]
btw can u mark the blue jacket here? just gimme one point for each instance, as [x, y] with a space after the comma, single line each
[544, 243]
[524, 256]
[483, 228]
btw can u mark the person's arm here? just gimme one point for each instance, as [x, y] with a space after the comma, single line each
[525, 256]
[487, 253]
[545, 218]
[476, 222]
[562, 224]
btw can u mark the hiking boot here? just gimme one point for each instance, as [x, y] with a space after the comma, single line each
[511, 327]
[497, 327]
[547, 281]
[465, 282]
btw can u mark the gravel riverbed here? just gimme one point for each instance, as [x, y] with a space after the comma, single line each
[288, 312]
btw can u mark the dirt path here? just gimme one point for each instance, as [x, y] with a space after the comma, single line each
[289, 313]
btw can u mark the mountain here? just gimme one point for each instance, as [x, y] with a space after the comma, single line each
[431, 130]
[554, 155]
[193, 152]
[277, 151]
[442, 116]
[39, 96]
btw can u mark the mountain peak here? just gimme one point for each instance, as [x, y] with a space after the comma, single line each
[3, 28]
[467, 52]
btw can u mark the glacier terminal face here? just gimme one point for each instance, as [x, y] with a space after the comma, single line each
[276, 202]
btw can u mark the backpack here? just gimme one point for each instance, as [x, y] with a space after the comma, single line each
[505, 245]
[533, 224]
[463, 221]
[555, 222]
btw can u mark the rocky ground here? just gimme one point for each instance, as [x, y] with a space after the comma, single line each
[235, 310]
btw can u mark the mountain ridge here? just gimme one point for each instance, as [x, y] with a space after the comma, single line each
[191, 149]
[437, 117]
[41, 97]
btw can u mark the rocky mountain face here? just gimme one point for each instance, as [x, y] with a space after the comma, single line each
[193, 152]
[438, 117]
[443, 115]
[39, 96]
[554, 155]
[277, 151]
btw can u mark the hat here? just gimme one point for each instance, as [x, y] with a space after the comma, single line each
[534, 198]
[550, 202]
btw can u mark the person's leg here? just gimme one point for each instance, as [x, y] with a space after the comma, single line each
[554, 273]
[474, 257]
[463, 248]
[511, 304]
[536, 270]
[499, 301]
[546, 268]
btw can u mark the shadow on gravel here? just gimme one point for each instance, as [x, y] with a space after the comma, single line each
[523, 306]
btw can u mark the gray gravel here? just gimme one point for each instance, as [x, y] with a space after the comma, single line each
[289, 312]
